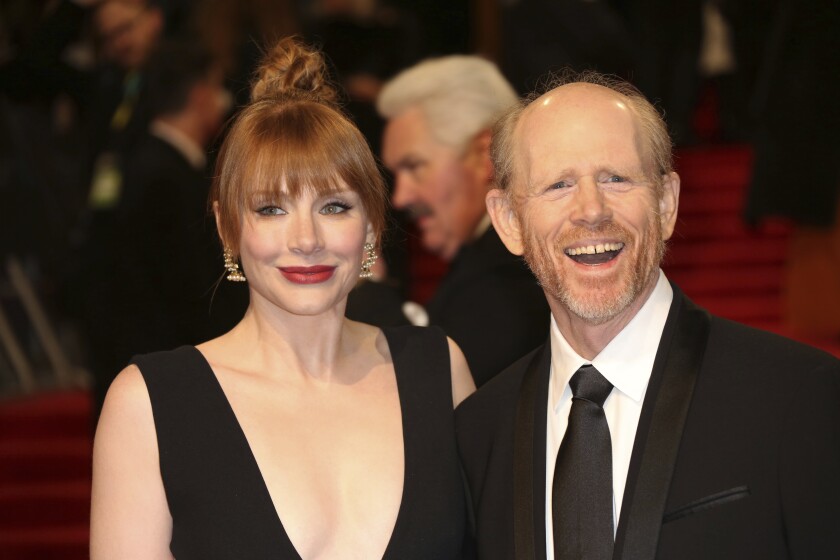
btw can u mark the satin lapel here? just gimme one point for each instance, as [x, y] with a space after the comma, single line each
[529, 459]
[666, 405]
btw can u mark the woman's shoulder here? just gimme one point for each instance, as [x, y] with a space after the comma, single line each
[128, 390]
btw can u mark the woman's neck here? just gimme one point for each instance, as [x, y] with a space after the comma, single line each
[314, 347]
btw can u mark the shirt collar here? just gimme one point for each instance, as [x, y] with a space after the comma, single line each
[627, 360]
[185, 145]
[482, 227]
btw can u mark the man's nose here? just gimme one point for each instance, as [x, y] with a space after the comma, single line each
[304, 234]
[404, 192]
[590, 204]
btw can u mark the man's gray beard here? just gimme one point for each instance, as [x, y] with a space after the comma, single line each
[596, 310]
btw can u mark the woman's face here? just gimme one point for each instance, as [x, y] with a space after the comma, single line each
[303, 255]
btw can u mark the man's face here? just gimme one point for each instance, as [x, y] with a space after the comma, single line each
[442, 189]
[213, 102]
[592, 225]
[129, 31]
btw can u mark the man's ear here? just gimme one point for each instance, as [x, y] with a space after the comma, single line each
[505, 220]
[669, 203]
[478, 156]
[156, 19]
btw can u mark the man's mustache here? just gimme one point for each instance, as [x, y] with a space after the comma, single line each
[417, 211]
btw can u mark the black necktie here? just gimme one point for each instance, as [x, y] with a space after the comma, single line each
[582, 493]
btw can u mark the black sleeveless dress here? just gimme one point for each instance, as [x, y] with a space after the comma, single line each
[220, 506]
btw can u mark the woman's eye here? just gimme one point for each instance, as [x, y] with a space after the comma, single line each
[615, 179]
[271, 211]
[335, 208]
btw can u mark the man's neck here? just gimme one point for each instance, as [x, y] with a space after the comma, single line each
[588, 338]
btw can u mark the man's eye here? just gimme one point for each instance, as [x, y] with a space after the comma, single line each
[412, 167]
[615, 179]
[271, 211]
[335, 208]
[559, 185]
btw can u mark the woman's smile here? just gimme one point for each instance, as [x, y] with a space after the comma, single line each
[307, 274]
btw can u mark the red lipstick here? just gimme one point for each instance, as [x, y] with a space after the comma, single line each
[307, 274]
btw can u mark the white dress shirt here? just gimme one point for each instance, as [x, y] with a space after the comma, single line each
[626, 362]
[188, 147]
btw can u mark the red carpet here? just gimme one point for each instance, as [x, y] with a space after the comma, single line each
[731, 270]
[45, 454]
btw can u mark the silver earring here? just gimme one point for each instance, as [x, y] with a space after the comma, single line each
[369, 260]
[234, 274]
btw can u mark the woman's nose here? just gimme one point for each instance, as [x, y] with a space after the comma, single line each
[304, 234]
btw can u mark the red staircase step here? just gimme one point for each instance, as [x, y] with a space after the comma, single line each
[694, 253]
[60, 543]
[54, 415]
[45, 460]
[715, 167]
[45, 470]
[746, 308]
[766, 279]
[44, 505]
[722, 226]
[695, 201]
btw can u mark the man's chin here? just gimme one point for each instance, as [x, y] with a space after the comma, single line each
[435, 245]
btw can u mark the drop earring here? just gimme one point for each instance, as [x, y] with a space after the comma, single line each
[369, 261]
[234, 274]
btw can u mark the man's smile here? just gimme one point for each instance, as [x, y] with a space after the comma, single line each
[594, 254]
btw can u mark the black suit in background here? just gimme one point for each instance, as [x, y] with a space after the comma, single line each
[488, 302]
[149, 271]
[491, 305]
[737, 452]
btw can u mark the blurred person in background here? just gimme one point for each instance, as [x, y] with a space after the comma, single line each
[436, 144]
[795, 172]
[155, 263]
[71, 106]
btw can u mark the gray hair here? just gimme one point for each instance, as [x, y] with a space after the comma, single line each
[459, 95]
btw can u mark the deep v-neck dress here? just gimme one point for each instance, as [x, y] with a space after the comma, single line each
[220, 505]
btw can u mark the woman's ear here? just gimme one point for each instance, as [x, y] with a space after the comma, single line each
[505, 220]
[370, 235]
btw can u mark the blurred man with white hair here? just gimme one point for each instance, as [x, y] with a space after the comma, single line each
[436, 143]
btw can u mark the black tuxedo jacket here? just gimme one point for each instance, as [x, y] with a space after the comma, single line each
[737, 453]
[491, 305]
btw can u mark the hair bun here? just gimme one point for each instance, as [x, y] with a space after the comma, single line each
[292, 69]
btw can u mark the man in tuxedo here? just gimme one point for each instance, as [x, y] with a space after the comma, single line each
[644, 427]
[436, 143]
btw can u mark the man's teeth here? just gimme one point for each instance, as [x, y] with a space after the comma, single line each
[592, 249]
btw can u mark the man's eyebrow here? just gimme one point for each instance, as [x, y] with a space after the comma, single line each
[550, 179]
[409, 160]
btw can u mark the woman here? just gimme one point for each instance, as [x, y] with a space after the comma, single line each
[298, 434]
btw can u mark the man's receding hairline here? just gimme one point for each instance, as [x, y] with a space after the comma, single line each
[646, 160]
